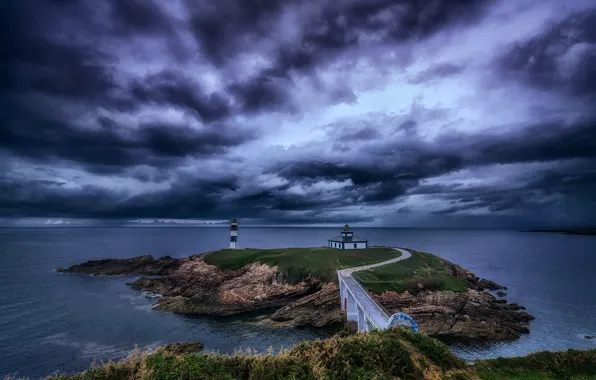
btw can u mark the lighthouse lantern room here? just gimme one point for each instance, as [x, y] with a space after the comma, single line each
[233, 234]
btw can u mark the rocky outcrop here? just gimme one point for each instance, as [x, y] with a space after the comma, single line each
[473, 315]
[474, 282]
[199, 288]
[145, 265]
[318, 309]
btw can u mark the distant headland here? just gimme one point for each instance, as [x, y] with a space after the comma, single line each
[569, 231]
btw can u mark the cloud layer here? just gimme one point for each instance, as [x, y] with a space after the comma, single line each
[401, 112]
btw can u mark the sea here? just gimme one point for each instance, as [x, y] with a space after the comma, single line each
[51, 322]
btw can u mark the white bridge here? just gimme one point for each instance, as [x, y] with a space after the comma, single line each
[359, 305]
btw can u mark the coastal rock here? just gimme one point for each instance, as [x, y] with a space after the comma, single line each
[590, 337]
[318, 309]
[501, 294]
[199, 288]
[473, 281]
[145, 265]
[471, 315]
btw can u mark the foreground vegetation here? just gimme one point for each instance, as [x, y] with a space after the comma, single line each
[421, 268]
[569, 365]
[300, 263]
[391, 354]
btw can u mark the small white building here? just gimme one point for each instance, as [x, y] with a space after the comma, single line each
[347, 240]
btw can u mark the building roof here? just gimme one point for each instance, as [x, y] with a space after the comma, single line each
[354, 239]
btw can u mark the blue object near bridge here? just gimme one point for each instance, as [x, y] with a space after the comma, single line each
[397, 317]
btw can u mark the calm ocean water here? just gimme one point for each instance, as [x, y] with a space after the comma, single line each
[53, 322]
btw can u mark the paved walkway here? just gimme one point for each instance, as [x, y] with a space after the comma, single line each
[371, 307]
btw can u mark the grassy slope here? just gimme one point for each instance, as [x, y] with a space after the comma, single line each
[405, 275]
[569, 365]
[299, 263]
[391, 354]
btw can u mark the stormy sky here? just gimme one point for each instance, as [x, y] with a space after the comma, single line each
[372, 112]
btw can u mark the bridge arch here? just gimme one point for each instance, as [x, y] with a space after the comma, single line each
[396, 318]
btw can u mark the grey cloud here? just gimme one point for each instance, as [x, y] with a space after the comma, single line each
[110, 149]
[139, 16]
[188, 198]
[436, 72]
[170, 87]
[408, 162]
[366, 133]
[562, 58]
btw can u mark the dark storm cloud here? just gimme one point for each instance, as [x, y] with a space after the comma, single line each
[314, 218]
[32, 60]
[174, 88]
[371, 184]
[107, 147]
[394, 168]
[561, 58]
[226, 31]
[187, 198]
[42, 53]
[102, 89]
[221, 30]
[341, 25]
[549, 141]
[263, 93]
[569, 183]
[139, 16]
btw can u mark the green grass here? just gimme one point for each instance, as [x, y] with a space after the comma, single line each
[569, 365]
[377, 355]
[391, 354]
[421, 268]
[300, 263]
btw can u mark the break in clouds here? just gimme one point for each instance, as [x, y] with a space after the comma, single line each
[408, 113]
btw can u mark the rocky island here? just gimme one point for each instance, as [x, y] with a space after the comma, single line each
[300, 285]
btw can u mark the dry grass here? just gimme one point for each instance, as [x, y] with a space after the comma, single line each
[379, 355]
[391, 354]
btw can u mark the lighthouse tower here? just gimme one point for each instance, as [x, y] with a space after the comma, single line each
[233, 233]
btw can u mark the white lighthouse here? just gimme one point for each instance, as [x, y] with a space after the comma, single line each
[233, 233]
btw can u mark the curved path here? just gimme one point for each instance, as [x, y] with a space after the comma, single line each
[371, 307]
[404, 255]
